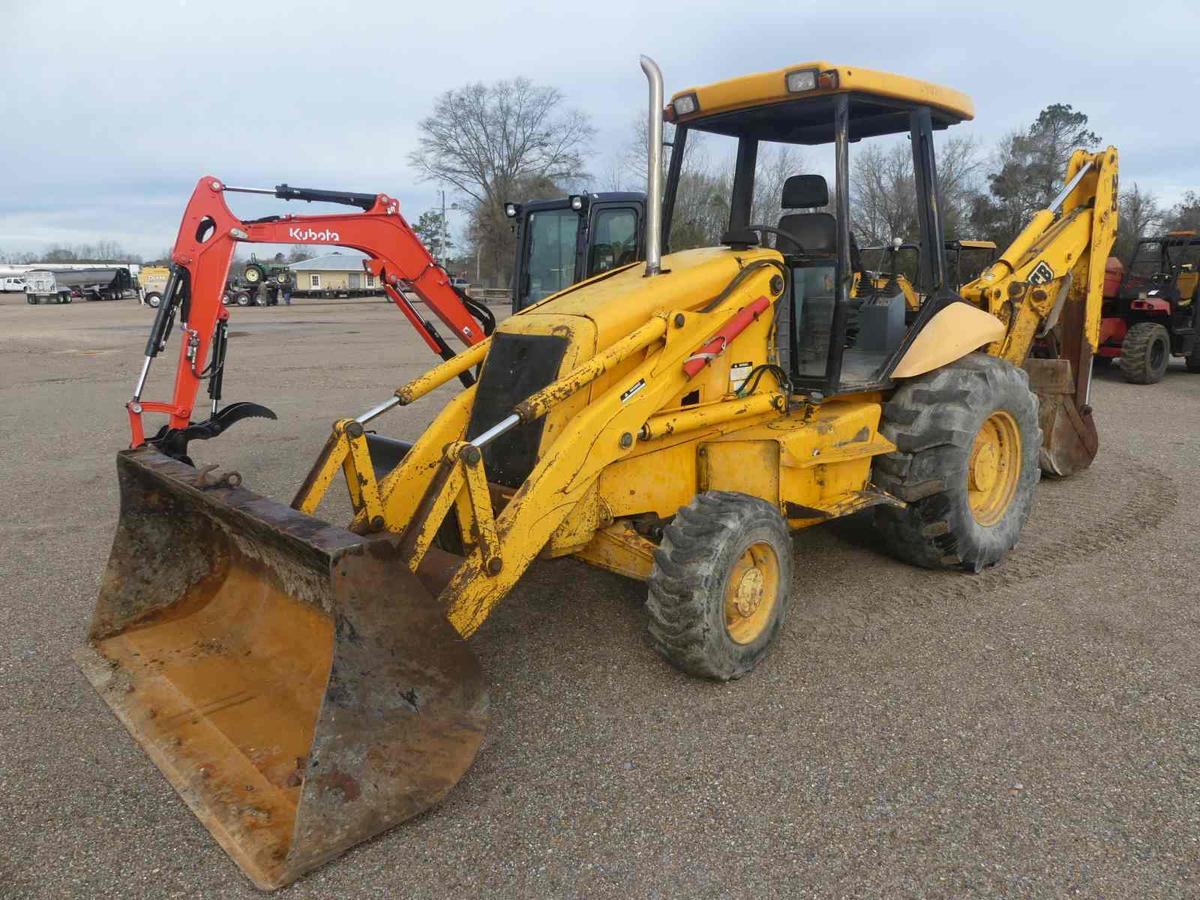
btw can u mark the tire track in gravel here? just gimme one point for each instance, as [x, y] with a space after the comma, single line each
[1067, 528]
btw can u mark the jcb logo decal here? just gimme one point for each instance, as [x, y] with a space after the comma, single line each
[1041, 274]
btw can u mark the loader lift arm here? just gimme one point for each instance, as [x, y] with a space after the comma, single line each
[202, 255]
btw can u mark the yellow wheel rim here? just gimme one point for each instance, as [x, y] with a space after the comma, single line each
[995, 468]
[751, 593]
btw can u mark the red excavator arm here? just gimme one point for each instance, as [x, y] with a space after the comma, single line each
[202, 256]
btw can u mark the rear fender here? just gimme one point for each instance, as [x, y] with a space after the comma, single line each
[951, 334]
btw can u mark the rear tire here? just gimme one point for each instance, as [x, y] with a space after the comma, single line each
[720, 586]
[31, 300]
[253, 273]
[1192, 360]
[966, 463]
[241, 298]
[153, 299]
[1145, 353]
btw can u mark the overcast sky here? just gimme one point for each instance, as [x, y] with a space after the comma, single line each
[110, 111]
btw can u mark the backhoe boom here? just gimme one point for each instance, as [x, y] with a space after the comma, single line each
[1047, 288]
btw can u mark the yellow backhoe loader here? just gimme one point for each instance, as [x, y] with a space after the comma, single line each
[305, 686]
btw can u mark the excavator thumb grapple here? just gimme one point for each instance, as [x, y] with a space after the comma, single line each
[299, 688]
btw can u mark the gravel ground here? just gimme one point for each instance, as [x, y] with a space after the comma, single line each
[1031, 730]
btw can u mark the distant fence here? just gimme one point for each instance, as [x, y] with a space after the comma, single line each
[490, 295]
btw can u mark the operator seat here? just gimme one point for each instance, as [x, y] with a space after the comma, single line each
[808, 242]
[814, 232]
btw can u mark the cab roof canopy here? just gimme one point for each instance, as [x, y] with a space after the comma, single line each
[795, 105]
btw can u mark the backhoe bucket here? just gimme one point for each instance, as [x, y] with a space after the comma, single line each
[299, 688]
[1063, 386]
[1069, 439]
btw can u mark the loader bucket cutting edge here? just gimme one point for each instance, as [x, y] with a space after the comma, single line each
[297, 686]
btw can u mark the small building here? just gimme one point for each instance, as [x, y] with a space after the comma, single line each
[333, 275]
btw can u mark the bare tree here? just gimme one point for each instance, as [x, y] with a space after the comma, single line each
[701, 212]
[960, 181]
[1140, 215]
[1185, 215]
[491, 143]
[776, 164]
[884, 194]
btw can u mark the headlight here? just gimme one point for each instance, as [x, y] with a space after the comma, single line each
[802, 80]
[512, 209]
[685, 105]
[576, 202]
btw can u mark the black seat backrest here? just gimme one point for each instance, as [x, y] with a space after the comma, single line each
[816, 233]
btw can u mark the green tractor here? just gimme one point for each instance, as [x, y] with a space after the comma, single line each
[276, 272]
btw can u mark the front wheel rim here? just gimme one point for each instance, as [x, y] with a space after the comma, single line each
[994, 467]
[751, 593]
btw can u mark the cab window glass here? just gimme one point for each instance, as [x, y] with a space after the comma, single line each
[552, 236]
[614, 240]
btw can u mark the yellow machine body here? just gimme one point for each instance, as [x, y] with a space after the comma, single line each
[600, 420]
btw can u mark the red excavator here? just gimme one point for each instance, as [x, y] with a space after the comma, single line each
[201, 258]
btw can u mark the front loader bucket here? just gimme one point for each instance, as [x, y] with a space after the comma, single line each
[298, 687]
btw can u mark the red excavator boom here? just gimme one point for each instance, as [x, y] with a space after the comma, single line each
[202, 255]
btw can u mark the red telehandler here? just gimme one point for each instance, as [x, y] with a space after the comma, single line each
[202, 255]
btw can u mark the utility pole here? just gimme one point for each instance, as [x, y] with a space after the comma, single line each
[445, 236]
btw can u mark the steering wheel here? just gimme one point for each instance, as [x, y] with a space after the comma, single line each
[768, 229]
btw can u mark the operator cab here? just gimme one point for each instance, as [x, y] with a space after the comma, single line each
[564, 241]
[1164, 267]
[840, 331]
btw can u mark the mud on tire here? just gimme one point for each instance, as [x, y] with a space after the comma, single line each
[690, 580]
[934, 420]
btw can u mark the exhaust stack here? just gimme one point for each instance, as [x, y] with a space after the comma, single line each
[654, 141]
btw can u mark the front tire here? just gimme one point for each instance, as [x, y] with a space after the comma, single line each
[966, 463]
[153, 299]
[1145, 353]
[720, 586]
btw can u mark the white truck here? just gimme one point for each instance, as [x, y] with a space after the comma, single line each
[43, 287]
